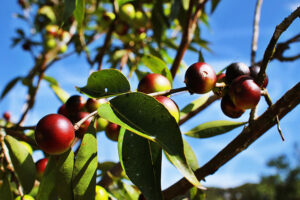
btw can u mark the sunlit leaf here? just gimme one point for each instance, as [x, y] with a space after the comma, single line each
[193, 105]
[79, 11]
[61, 94]
[105, 83]
[22, 162]
[213, 128]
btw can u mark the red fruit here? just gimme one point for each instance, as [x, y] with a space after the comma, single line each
[84, 126]
[170, 105]
[40, 167]
[235, 70]
[54, 134]
[63, 111]
[121, 28]
[154, 83]
[112, 131]
[200, 78]
[229, 109]
[6, 116]
[254, 70]
[75, 104]
[244, 92]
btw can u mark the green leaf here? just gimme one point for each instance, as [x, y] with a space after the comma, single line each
[22, 162]
[105, 83]
[121, 190]
[5, 190]
[9, 86]
[62, 95]
[50, 80]
[213, 128]
[185, 4]
[47, 186]
[64, 166]
[142, 164]
[69, 8]
[193, 105]
[79, 12]
[84, 174]
[156, 65]
[196, 194]
[214, 4]
[158, 20]
[145, 116]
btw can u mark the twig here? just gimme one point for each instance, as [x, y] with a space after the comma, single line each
[78, 124]
[168, 92]
[191, 114]
[255, 30]
[20, 136]
[187, 35]
[270, 48]
[250, 134]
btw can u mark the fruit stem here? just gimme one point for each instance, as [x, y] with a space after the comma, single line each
[78, 124]
[168, 92]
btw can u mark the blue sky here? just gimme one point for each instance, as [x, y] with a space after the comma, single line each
[230, 35]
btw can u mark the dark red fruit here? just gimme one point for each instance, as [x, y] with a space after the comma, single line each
[6, 116]
[54, 134]
[200, 78]
[235, 70]
[84, 126]
[254, 70]
[63, 111]
[154, 83]
[40, 167]
[244, 92]
[112, 131]
[93, 104]
[229, 109]
[75, 104]
[170, 105]
[121, 28]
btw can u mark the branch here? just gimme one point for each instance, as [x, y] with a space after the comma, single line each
[187, 35]
[255, 30]
[20, 136]
[260, 126]
[270, 48]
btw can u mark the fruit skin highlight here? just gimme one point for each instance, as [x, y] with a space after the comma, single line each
[170, 105]
[200, 78]
[154, 83]
[244, 92]
[54, 134]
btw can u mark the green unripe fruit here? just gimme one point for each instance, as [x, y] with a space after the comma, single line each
[127, 12]
[25, 197]
[154, 83]
[140, 19]
[170, 105]
[101, 124]
[50, 43]
[63, 48]
[52, 30]
[101, 193]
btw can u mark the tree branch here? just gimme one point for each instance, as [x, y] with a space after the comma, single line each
[255, 30]
[270, 48]
[260, 126]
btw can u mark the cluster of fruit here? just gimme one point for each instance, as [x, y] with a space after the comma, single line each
[56, 37]
[241, 91]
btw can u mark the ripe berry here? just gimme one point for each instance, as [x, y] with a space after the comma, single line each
[54, 134]
[235, 70]
[63, 111]
[84, 126]
[154, 83]
[112, 131]
[75, 104]
[6, 116]
[121, 28]
[101, 193]
[244, 92]
[229, 109]
[200, 78]
[170, 105]
[40, 167]
[254, 70]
